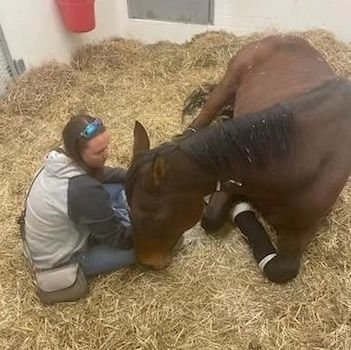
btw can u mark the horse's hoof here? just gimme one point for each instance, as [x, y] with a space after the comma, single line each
[281, 269]
[211, 225]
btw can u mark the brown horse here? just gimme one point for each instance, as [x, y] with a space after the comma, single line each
[287, 152]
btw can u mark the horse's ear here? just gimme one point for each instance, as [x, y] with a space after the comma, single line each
[158, 170]
[141, 140]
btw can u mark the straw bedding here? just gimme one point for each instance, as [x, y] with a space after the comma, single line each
[212, 296]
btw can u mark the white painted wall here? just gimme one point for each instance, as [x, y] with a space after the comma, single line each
[34, 29]
[248, 16]
[35, 32]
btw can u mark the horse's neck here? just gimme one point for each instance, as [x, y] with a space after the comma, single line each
[187, 174]
[210, 157]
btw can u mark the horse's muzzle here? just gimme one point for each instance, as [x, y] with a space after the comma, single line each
[156, 262]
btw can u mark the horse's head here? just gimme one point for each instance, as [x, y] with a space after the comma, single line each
[161, 207]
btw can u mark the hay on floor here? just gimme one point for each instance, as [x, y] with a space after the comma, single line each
[36, 89]
[212, 296]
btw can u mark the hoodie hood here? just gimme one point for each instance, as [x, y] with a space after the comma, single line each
[60, 165]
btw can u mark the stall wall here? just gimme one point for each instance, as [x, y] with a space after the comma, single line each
[35, 32]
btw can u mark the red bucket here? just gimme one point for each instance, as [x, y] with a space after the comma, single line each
[78, 15]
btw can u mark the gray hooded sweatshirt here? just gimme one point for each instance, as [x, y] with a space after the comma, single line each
[65, 208]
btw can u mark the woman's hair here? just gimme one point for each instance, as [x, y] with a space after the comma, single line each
[73, 140]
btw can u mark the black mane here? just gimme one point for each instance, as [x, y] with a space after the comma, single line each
[251, 139]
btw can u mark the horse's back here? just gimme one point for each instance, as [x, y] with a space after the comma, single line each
[276, 69]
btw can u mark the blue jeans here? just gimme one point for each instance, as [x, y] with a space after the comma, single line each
[101, 258]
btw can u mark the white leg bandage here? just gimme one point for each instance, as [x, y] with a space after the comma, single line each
[266, 260]
[240, 208]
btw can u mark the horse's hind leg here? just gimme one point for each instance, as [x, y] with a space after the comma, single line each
[224, 92]
[222, 95]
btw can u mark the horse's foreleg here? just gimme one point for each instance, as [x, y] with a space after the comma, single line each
[280, 265]
[216, 212]
[291, 244]
[220, 203]
[260, 243]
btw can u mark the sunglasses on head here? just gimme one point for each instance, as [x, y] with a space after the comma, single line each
[92, 129]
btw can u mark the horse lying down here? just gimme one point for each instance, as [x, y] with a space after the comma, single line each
[286, 151]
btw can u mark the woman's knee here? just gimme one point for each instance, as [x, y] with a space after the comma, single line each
[102, 259]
